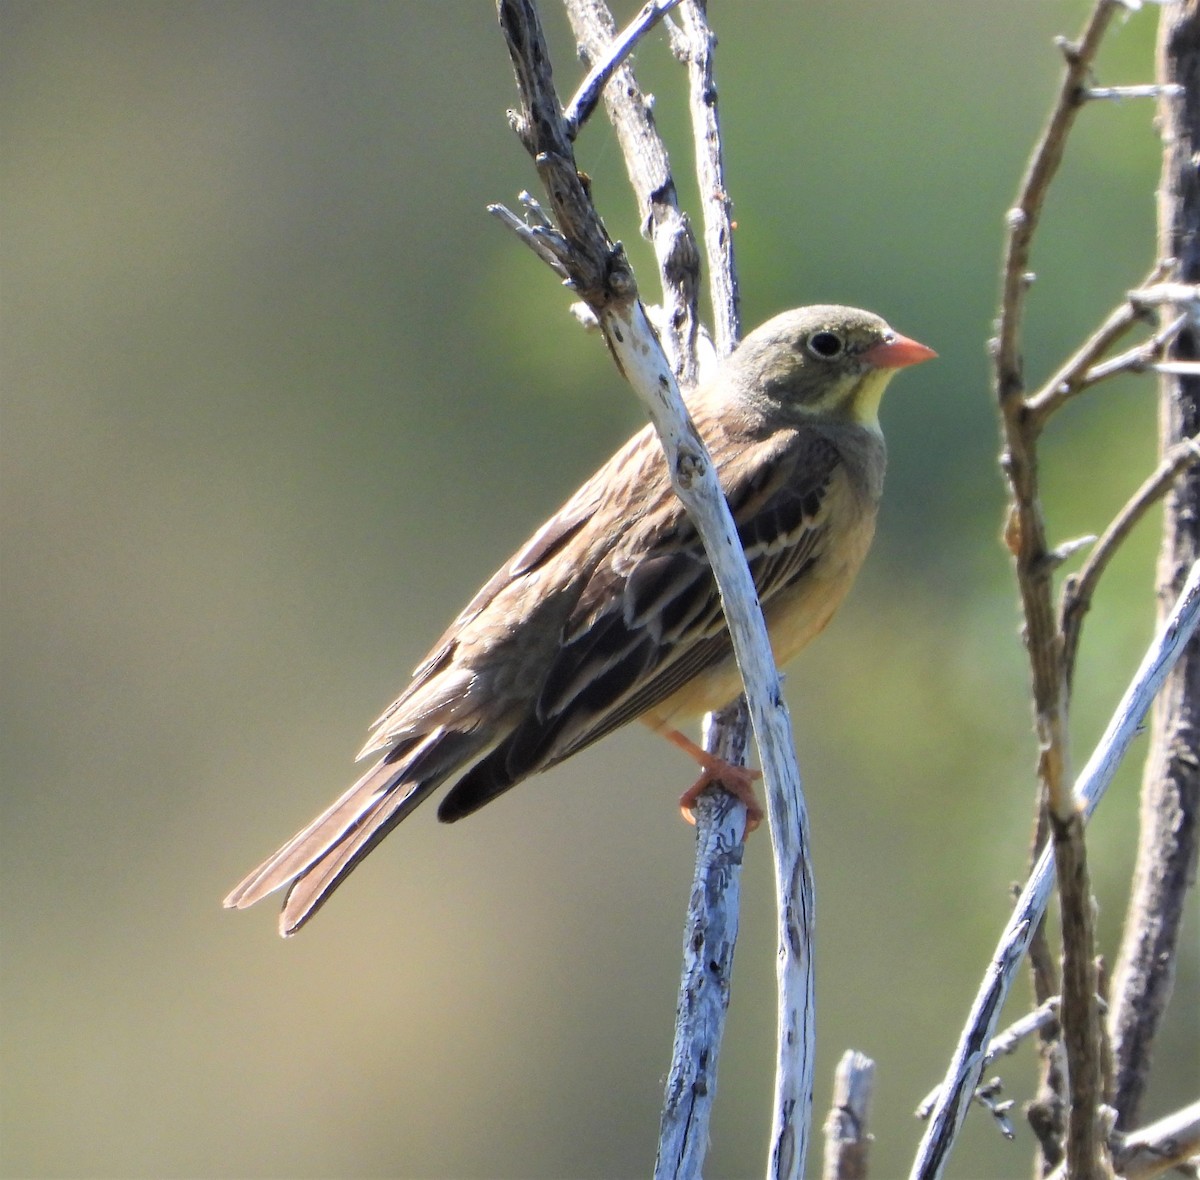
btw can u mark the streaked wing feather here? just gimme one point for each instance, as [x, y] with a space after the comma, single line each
[643, 629]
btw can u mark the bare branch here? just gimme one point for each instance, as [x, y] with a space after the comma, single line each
[601, 274]
[966, 1066]
[649, 168]
[695, 47]
[1162, 1145]
[989, 1096]
[1150, 90]
[544, 241]
[1169, 837]
[710, 936]
[847, 1141]
[1139, 359]
[710, 930]
[1078, 373]
[1044, 1017]
[579, 109]
[1026, 536]
[1078, 590]
[1079, 1013]
[1155, 294]
[1024, 216]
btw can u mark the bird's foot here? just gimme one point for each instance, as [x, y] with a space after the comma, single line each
[737, 780]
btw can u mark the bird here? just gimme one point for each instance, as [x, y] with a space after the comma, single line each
[610, 611]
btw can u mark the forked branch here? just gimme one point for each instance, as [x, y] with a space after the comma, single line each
[599, 272]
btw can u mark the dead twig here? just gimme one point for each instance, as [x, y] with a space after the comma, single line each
[962, 1078]
[1026, 537]
[1169, 828]
[579, 109]
[847, 1140]
[1080, 588]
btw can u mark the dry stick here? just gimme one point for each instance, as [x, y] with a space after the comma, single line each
[1044, 1016]
[847, 1140]
[601, 275]
[695, 47]
[958, 1086]
[1162, 1145]
[787, 814]
[649, 168]
[711, 924]
[1080, 372]
[710, 937]
[1139, 359]
[1026, 536]
[1080, 588]
[1169, 838]
[619, 48]
[712, 915]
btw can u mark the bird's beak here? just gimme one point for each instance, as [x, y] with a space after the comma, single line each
[897, 353]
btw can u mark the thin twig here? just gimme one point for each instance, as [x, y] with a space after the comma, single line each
[788, 815]
[649, 169]
[1078, 590]
[1026, 537]
[990, 1097]
[696, 47]
[1078, 373]
[1150, 90]
[1139, 359]
[1155, 294]
[580, 108]
[1024, 216]
[1043, 1017]
[962, 1078]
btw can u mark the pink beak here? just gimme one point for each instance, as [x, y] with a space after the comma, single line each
[897, 353]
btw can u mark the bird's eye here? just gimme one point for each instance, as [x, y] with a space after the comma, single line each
[825, 345]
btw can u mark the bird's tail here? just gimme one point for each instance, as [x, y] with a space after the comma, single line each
[316, 860]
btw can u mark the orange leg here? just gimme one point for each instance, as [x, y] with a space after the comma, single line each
[737, 780]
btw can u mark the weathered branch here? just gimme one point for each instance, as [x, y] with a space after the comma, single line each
[1079, 589]
[663, 222]
[1079, 372]
[1044, 1017]
[1142, 358]
[1024, 216]
[847, 1141]
[710, 936]
[695, 47]
[1162, 1145]
[579, 109]
[1026, 537]
[1170, 805]
[711, 926]
[601, 275]
[962, 1078]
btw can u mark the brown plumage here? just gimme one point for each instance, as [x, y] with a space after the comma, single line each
[610, 611]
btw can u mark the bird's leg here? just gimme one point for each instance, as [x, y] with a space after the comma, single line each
[737, 780]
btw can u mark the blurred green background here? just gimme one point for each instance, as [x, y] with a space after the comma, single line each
[278, 395]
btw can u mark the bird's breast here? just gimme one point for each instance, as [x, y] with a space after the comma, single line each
[796, 614]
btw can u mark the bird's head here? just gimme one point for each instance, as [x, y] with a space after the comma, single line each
[825, 361]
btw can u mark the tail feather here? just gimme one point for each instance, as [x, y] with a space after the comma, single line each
[320, 856]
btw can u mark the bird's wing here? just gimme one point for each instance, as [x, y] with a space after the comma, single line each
[556, 555]
[465, 697]
[649, 619]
